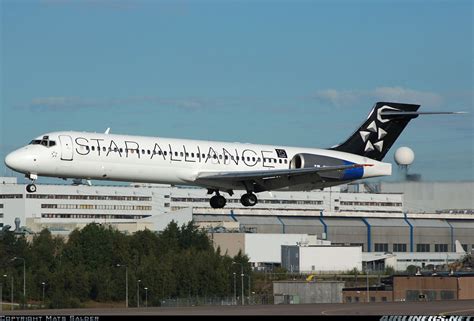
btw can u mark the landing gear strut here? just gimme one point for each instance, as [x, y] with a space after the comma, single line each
[217, 201]
[249, 199]
[31, 188]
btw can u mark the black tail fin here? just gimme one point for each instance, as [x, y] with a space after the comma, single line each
[377, 134]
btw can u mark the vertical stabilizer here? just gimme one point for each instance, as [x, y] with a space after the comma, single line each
[377, 134]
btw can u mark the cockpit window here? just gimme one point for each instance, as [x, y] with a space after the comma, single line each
[45, 142]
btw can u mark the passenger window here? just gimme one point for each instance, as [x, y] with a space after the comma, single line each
[181, 153]
[159, 152]
[279, 161]
[175, 153]
[121, 150]
[143, 151]
[148, 152]
[87, 147]
[286, 161]
[104, 149]
[203, 156]
[220, 156]
[187, 154]
[215, 156]
[93, 148]
[253, 159]
[165, 153]
[192, 154]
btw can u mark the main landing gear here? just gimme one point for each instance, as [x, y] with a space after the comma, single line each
[249, 199]
[219, 201]
[31, 188]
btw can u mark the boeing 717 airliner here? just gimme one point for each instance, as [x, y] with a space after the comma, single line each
[217, 166]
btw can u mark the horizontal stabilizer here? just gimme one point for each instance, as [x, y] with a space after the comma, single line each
[416, 113]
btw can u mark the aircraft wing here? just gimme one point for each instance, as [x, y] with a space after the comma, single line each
[264, 180]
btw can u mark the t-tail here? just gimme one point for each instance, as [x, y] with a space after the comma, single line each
[377, 134]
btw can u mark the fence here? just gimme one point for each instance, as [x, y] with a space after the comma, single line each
[195, 301]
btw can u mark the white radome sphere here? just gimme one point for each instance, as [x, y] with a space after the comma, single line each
[404, 156]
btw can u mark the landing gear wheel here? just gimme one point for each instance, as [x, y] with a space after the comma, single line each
[249, 199]
[31, 188]
[217, 201]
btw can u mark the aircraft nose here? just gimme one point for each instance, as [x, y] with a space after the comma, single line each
[20, 161]
[11, 160]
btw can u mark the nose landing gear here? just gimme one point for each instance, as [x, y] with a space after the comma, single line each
[31, 188]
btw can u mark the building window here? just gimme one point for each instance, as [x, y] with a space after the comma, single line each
[464, 246]
[423, 248]
[372, 299]
[348, 299]
[441, 247]
[399, 247]
[11, 196]
[381, 247]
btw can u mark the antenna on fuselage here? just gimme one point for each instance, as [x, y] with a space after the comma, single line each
[107, 131]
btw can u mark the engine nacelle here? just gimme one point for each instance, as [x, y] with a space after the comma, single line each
[311, 160]
[304, 160]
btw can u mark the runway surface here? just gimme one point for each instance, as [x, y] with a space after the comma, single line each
[465, 307]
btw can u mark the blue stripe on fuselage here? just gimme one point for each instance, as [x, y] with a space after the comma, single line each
[352, 173]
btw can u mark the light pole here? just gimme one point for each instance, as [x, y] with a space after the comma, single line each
[126, 282]
[249, 289]
[1, 292]
[235, 289]
[242, 279]
[146, 297]
[367, 273]
[1, 296]
[43, 284]
[24, 277]
[138, 293]
[11, 300]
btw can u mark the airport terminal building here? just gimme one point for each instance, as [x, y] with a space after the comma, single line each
[409, 217]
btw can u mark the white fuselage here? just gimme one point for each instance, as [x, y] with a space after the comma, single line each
[158, 160]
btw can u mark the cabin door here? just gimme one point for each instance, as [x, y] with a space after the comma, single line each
[66, 147]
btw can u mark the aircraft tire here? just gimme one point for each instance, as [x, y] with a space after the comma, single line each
[249, 199]
[31, 188]
[217, 201]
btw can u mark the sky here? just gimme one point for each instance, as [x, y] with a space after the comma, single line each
[291, 73]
